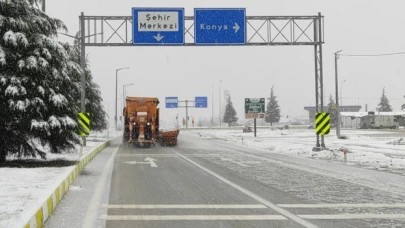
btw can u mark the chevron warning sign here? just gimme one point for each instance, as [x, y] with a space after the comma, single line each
[84, 124]
[322, 123]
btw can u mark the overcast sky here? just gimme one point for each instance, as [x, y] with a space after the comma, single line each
[356, 27]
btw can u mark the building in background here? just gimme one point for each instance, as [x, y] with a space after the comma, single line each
[345, 108]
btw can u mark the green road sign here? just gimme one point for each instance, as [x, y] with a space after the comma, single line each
[254, 108]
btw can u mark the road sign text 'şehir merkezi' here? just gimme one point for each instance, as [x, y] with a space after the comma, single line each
[158, 21]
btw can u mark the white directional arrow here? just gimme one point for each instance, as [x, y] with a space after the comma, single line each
[151, 161]
[236, 27]
[158, 37]
[147, 160]
[241, 163]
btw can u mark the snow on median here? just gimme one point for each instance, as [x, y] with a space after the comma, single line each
[380, 150]
[24, 190]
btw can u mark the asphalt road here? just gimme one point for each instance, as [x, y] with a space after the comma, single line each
[208, 183]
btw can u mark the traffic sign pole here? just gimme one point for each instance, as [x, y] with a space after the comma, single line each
[255, 126]
[186, 114]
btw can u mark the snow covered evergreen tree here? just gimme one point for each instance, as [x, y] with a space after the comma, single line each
[332, 109]
[36, 91]
[273, 109]
[384, 105]
[230, 115]
[94, 101]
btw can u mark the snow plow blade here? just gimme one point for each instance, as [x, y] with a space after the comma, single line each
[169, 138]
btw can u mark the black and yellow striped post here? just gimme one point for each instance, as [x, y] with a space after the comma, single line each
[84, 125]
[322, 123]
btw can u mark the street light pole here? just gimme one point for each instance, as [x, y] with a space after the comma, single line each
[116, 88]
[337, 113]
[124, 93]
[212, 100]
[220, 110]
[341, 92]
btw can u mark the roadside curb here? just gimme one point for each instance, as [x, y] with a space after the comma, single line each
[42, 214]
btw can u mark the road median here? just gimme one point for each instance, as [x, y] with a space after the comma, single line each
[42, 213]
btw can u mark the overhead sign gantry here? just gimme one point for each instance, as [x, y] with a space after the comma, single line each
[207, 27]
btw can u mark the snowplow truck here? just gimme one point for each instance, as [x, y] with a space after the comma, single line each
[141, 121]
[141, 116]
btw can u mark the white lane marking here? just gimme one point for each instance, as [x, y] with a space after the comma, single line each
[194, 217]
[147, 160]
[147, 155]
[91, 214]
[343, 205]
[253, 195]
[185, 206]
[241, 163]
[163, 155]
[354, 216]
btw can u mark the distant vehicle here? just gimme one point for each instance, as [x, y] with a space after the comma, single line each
[247, 129]
[377, 120]
[372, 121]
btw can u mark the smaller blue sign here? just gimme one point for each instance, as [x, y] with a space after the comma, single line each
[172, 102]
[201, 102]
[220, 26]
[157, 26]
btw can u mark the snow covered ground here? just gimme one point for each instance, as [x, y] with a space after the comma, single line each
[380, 150]
[23, 190]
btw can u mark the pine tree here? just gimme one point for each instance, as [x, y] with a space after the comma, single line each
[36, 92]
[332, 109]
[384, 105]
[94, 105]
[273, 109]
[230, 115]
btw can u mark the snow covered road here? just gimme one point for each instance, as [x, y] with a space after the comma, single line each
[369, 149]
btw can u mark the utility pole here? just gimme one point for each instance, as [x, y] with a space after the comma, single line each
[116, 88]
[212, 119]
[187, 102]
[83, 65]
[337, 113]
[43, 6]
[186, 114]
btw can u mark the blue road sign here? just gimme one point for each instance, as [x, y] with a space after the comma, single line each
[172, 102]
[201, 102]
[220, 26]
[158, 26]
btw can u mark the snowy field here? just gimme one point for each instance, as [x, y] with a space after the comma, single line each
[23, 190]
[379, 150]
